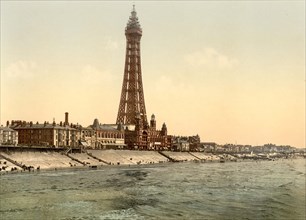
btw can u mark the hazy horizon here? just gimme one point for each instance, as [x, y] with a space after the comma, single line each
[230, 71]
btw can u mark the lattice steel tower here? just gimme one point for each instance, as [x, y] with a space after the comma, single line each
[132, 102]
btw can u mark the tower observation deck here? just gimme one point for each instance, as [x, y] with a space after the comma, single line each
[132, 104]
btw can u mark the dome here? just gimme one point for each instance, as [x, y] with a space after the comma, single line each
[96, 123]
[164, 126]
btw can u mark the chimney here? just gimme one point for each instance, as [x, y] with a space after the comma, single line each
[7, 123]
[31, 123]
[66, 119]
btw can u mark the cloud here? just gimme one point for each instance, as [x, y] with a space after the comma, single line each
[92, 75]
[21, 69]
[169, 88]
[111, 44]
[210, 58]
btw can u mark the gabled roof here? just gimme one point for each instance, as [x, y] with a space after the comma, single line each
[6, 129]
[43, 126]
[102, 127]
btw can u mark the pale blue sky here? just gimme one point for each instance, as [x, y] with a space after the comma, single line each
[231, 71]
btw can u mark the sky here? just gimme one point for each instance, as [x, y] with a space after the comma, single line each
[230, 71]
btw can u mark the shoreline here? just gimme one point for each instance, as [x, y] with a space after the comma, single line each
[124, 166]
[34, 160]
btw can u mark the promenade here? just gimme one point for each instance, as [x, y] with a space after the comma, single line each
[22, 160]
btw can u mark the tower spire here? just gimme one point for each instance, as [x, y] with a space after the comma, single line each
[132, 98]
[133, 22]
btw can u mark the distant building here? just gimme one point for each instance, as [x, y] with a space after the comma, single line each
[8, 136]
[186, 143]
[194, 142]
[208, 146]
[180, 144]
[98, 136]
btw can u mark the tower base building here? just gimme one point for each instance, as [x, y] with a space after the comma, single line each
[145, 137]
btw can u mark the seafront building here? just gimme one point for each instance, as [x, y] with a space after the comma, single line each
[145, 137]
[8, 136]
[102, 136]
[46, 134]
[95, 136]
[181, 144]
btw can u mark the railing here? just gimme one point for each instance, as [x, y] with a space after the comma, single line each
[68, 150]
[170, 158]
[75, 159]
[100, 160]
[12, 161]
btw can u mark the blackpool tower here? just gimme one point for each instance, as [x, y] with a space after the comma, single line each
[132, 104]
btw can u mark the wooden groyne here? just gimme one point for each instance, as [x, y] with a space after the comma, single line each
[12, 161]
[96, 158]
[165, 155]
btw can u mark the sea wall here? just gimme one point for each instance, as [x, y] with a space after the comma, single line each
[40, 160]
[30, 159]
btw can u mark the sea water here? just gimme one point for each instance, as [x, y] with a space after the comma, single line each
[241, 190]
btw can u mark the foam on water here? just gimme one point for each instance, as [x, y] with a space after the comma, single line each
[245, 190]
